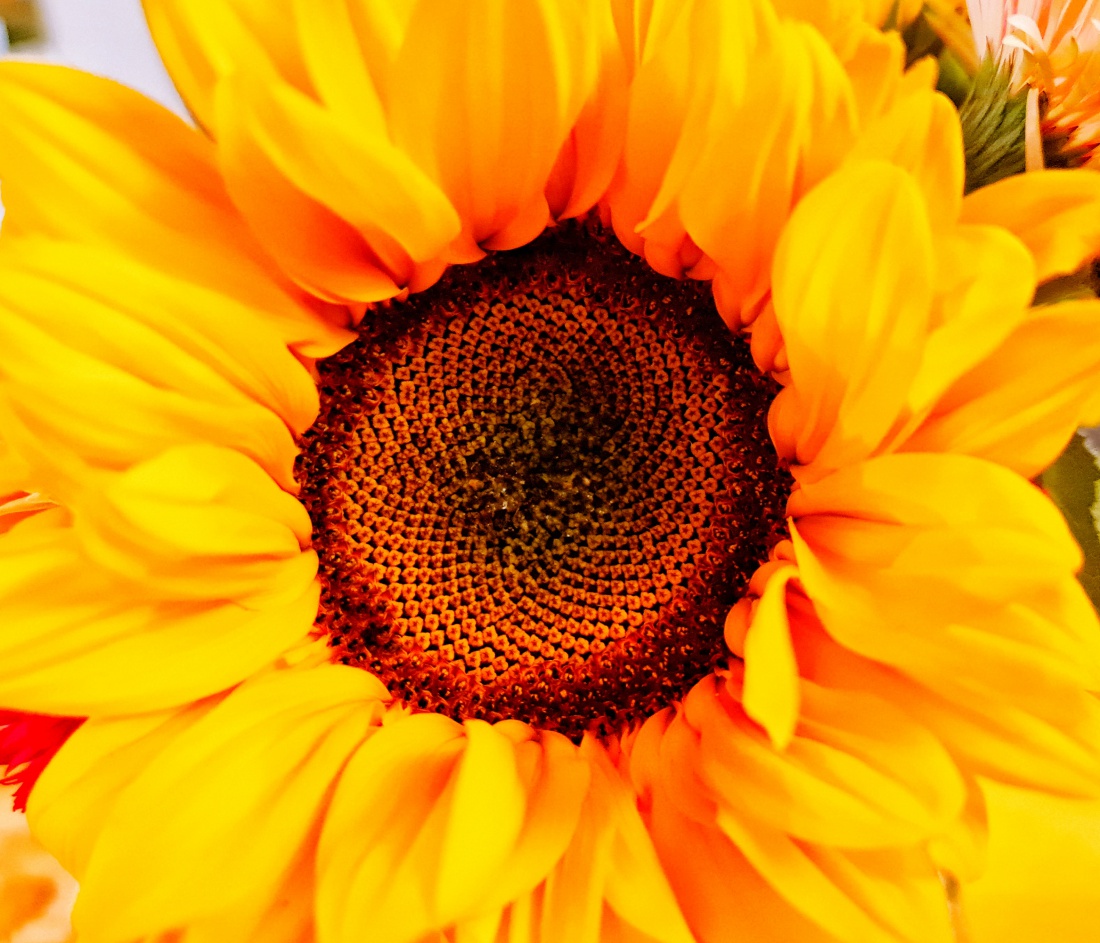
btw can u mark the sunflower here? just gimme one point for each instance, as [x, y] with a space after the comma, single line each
[430, 558]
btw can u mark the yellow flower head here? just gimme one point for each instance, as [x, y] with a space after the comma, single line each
[391, 486]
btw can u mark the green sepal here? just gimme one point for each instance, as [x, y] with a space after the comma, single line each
[920, 38]
[993, 118]
[954, 81]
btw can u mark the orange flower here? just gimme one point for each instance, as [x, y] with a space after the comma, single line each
[1050, 47]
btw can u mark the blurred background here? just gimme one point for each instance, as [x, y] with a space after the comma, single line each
[107, 37]
[1043, 881]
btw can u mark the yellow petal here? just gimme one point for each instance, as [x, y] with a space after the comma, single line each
[299, 98]
[847, 24]
[959, 574]
[73, 798]
[483, 96]
[487, 785]
[14, 472]
[85, 160]
[385, 796]
[921, 133]
[743, 879]
[87, 384]
[236, 341]
[211, 830]
[339, 67]
[200, 43]
[1043, 859]
[857, 773]
[725, 900]
[338, 205]
[322, 252]
[200, 523]
[637, 889]
[1015, 746]
[718, 151]
[864, 897]
[960, 847]
[985, 283]
[771, 694]
[78, 640]
[609, 884]
[1055, 213]
[643, 26]
[852, 298]
[658, 106]
[449, 823]
[590, 156]
[876, 64]
[763, 145]
[380, 27]
[1022, 403]
[555, 778]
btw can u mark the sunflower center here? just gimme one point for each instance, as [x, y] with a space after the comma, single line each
[538, 488]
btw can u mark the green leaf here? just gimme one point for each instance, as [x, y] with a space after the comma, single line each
[1073, 481]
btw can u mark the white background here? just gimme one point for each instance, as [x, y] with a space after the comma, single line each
[108, 37]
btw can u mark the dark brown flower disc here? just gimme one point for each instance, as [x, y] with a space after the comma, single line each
[538, 487]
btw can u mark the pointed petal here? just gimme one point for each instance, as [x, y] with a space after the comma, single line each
[771, 695]
[447, 820]
[637, 888]
[764, 146]
[853, 345]
[959, 574]
[725, 900]
[742, 878]
[985, 283]
[1056, 214]
[484, 95]
[609, 884]
[877, 67]
[858, 896]
[85, 160]
[89, 383]
[235, 341]
[1022, 403]
[200, 523]
[347, 214]
[78, 640]
[857, 774]
[719, 151]
[921, 134]
[191, 841]
[200, 43]
[660, 93]
[73, 799]
[589, 158]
